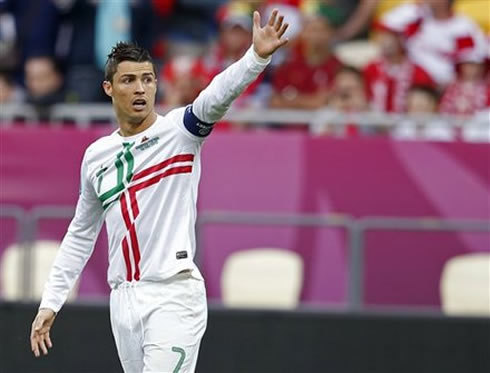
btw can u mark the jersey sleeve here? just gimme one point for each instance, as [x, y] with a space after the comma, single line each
[213, 102]
[77, 245]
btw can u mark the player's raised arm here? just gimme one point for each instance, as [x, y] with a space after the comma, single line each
[76, 248]
[214, 101]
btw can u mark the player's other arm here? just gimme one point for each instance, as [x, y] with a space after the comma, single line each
[76, 248]
[213, 102]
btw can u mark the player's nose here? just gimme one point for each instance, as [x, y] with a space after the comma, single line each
[139, 86]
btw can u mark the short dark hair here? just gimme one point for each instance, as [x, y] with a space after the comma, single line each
[348, 69]
[6, 75]
[425, 89]
[125, 51]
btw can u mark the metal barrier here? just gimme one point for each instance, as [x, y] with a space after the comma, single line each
[363, 225]
[274, 219]
[19, 215]
[83, 115]
[356, 229]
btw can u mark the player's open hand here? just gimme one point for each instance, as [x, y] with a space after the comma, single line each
[41, 326]
[269, 38]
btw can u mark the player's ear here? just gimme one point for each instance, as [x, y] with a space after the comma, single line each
[107, 88]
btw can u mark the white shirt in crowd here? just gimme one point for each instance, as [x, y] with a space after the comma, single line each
[436, 45]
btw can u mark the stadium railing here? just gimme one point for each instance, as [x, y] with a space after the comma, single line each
[86, 115]
[28, 221]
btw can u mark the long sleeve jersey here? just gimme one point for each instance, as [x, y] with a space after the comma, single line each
[145, 189]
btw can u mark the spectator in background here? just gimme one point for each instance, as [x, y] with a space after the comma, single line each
[348, 92]
[355, 13]
[477, 10]
[9, 50]
[234, 38]
[44, 84]
[389, 78]
[291, 9]
[360, 13]
[181, 81]
[27, 28]
[348, 96]
[303, 81]
[235, 35]
[435, 36]
[10, 93]
[422, 104]
[470, 93]
[422, 100]
[89, 29]
[90, 26]
[185, 25]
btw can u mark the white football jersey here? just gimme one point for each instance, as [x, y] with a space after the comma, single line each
[436, 45]
[145, 188]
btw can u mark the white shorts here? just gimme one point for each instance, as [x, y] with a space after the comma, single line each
[158, 326]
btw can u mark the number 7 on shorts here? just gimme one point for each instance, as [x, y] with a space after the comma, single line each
[181, 359]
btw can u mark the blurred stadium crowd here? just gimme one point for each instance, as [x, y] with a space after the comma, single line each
[391, 56]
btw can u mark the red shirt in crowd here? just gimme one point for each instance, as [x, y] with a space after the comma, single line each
[387, 84]
[215, 62]
[299, 77]
[465, 98]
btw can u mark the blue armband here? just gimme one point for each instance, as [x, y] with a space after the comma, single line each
[194, 125]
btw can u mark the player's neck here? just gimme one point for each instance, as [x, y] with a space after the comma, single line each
[130, 128]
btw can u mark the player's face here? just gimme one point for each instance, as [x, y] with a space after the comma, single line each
[133, 90]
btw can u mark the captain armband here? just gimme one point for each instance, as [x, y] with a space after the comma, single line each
[194, 125]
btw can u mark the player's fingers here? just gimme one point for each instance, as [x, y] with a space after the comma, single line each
[48, 340]
[34, 337]
[43, 345]
[283, 42]
[272, 18]
[256, 19]
[34, 346]
[283, 30]
[278, 24]
[33, 327]
[37, 350]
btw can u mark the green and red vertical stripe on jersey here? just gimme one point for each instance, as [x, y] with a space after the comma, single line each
[107, 197]
[134, 208]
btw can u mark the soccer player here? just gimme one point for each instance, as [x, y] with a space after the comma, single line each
[143, 181]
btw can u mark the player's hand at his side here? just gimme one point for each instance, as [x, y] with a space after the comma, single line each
[41, 326]
[269, 38]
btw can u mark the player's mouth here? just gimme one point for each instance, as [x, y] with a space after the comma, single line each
[139, 104]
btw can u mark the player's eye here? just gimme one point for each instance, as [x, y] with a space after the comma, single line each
[148, 79]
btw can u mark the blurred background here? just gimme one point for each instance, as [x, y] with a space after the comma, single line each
[344, 206]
